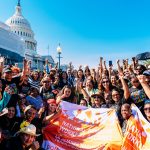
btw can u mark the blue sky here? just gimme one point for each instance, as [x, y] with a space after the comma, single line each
[86, 29]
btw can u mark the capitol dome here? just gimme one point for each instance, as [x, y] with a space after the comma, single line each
[20, 26]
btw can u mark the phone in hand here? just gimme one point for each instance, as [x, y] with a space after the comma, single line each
[110, 63]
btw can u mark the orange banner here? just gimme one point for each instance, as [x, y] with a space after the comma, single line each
[81, 128]
[137, 135]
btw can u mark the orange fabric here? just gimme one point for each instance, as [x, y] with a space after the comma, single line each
[80, 128]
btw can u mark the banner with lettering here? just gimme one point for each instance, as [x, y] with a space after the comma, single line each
[81, 128]
[137, 135]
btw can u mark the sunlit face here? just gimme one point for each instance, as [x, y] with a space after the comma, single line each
[89, 84]
[69, 72]
[27, 139]
[52, 107]
[97, 101]
[126, 73]
[87, 73]
[93, 73]
[8, 76]
[147, 110]
[30, 114]
[75, 73]
[80, 74]
[125, 112]
[105, 83]
[135, 82]
[83, 102]
[64, 75]
[107, 98]
[67, 92]
[113, 80]
[115, 96]
[11, 112]
[35, 75]
[15, 72]
[138, 70]
[46, 84]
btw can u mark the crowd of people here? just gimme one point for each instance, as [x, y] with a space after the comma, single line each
[30, 98]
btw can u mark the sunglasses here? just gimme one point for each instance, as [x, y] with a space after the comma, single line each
[146, 109]
[105, 82]
[136, 81]
[96, 96]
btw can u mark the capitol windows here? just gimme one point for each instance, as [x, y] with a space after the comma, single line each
[21, 33]
[24, 33]
[18, 32]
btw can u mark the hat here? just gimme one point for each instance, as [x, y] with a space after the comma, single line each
[7, 69]
[28, 108]
[146, 73]
[96, 94]
[51, 101]
[30, 129]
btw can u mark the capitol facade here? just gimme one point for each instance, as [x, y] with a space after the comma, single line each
[17, 41]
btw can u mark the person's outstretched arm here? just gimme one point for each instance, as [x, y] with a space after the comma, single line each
[146, 87]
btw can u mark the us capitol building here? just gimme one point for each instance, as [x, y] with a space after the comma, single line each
[17, 41]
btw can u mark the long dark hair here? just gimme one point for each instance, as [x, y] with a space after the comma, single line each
[71, 97]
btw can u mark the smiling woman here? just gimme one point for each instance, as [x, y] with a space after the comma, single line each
[147, 109]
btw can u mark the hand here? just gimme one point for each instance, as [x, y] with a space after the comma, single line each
[35, 145]
[121, 75]
[2, 59]
[110, 67]
[9, 90]
[130, 68]
[80, 67]
[142, 78]
[81, 85]
[117, 61]
[42, 109]
[70, 63]
[50, 66]
[46, 61]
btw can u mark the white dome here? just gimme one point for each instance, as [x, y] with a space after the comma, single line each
[18, 20]
[20, 26]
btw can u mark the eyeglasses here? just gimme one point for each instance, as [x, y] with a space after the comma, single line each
[96, 97]
[105, 82]
[146, 109]
[115, 95]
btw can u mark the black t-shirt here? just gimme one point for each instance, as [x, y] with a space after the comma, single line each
[12, 125]
[24, 88]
